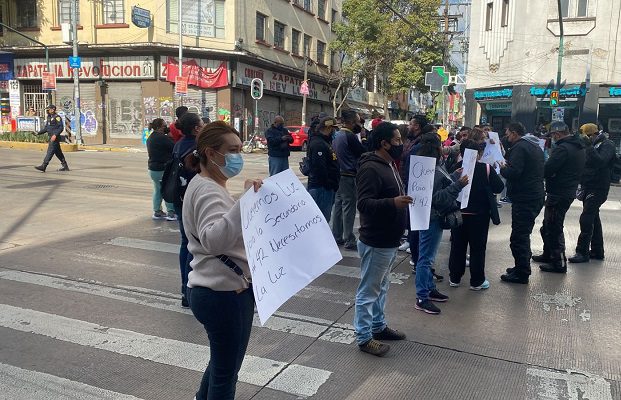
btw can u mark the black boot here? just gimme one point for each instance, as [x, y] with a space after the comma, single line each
[514, 277]
[596, 255]
[543, 258]
[579, 258]
[558, 266]
[65, 167]
[41, 167]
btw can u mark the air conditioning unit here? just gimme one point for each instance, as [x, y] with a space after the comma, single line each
[66, 31]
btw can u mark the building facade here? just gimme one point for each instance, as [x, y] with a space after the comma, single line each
[513, 63]
[127, 72]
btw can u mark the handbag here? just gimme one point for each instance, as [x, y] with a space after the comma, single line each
[451, 220]
[305, 166]
[493, 207]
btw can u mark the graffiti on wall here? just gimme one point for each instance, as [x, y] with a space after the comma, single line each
[158, 107]
[88, 115]
[224, 115]
[126, 117]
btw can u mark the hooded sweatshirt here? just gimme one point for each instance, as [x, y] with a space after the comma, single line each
[599, 159]
[378, 183]
[524, 170]
[564, 167]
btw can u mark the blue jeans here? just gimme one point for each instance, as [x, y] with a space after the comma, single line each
[371, 294]
[428, 244]
[156, 177]
[324, 199]
[277, 164]
[185, 257]
[227, 318]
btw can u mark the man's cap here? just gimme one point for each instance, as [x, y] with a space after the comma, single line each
[50, 107]
[327, 122]
[558, 126]
[589, 129]
[375, 122]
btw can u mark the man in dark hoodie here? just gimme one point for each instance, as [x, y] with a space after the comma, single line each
[562, 172]
[278, 140]
[324, 175]
[382, 203]
[524, 174]
[596, 184]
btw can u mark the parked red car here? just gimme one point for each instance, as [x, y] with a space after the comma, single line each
[300, 137]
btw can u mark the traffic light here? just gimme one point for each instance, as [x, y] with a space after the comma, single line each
[256, 88]
[554, 98]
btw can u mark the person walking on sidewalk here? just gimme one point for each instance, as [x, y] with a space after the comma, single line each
[348, 150]
[278, 140]
[595, 183]
[324, 176]
[562, 172]
[160, 149]
[382, 203]
[523, 171]
[53, 127]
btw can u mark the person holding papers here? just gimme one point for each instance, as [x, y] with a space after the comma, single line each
[219, 287]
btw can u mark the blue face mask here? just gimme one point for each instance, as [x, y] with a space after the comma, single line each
[233, 164]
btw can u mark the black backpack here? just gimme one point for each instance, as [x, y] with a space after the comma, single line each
[171, 181]
[615, 169]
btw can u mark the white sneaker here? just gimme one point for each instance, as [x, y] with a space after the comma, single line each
[483, 286]
[404, 246]
[451, 284]
[159, 215]
[171, 216]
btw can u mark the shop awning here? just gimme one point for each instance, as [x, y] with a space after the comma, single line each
[358, 107]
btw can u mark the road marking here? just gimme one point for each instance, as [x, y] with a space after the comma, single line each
[571, 385]
[18, 383]
[278, 375]
[281, 322]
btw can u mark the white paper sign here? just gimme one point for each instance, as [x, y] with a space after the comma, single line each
[469, 162]
[287, 239]
[542, 144]
[420, 189]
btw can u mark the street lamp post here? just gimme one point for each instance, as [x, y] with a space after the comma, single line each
[76, 73]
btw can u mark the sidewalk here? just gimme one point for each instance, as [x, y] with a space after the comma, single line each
[112, 147]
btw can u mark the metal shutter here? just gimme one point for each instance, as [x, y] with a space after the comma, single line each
[125, 110]
[202, 102]
[91, 112]
[293, 112]
[269, 107]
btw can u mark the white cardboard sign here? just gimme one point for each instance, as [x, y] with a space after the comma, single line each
[469, 162]
[288, 241]
[420, 189]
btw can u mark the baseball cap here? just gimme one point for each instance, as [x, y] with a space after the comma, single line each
[589, 129]
[326, 122]
[50, 106]
[375, 122]
[558, 126]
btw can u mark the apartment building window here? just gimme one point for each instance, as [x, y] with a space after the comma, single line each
[27, 14]
[295, 42]
[489, 14]
[321, 52]
[307, 45]
[64, 11]
[308, 5]
[582, 8]
[505, 13]
[321, 9]
[113, 11]
[261, 19]
[565, 8]
[279, 35]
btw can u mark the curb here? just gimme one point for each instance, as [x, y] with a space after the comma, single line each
[36, 146]
[112, 149]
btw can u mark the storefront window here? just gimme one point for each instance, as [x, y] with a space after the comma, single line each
[610, 118]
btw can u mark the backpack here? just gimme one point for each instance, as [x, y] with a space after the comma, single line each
[615, 169]
[171, 181]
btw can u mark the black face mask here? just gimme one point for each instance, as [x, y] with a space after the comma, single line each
[395, 152]
[356, 129]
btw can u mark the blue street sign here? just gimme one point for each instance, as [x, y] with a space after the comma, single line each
[75, 62]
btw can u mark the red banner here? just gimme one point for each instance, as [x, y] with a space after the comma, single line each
[197, 75]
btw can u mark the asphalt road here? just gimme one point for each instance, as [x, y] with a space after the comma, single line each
[89, 308]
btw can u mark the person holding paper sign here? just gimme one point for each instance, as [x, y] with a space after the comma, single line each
[382, 204]
[219, 289]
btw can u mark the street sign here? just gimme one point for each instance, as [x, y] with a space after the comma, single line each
[141, 17]
[181, 85]
[436, 79]
[558, 114]
[75, 62]
[48, 81]
[554, 98]
[304, 88]
[256, 88]
[15, 99]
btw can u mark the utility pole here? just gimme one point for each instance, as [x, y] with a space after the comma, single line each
[180, 64]
[304, 95]
[76, 73]
[446, 61]
[561, 49]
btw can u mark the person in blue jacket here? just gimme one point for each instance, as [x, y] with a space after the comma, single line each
[53, 127]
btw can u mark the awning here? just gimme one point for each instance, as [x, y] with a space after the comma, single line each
[358, 107]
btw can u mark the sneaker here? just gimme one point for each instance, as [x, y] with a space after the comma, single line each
[514, 277]
[340, 242]
[184, 302]
[351, 246]
[437, 277]
[434, 295]
[505, 200]
[171, 216]
[426, 306]
[389, 334]
[40, 168]
[408, 250]
[159, 215]
[374, 347]
[483, 286]
[453, 284]
[579, 258]
[404, 246]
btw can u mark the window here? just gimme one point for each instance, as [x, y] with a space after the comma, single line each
[308, 5]
[489, 14]
[321, 52]
[279, 35]
[307, 45]
[505, 13]
[295, 42]
[27, 14]
[565, 8]
[210, 23]
[582, 8]
[321, 9]
[64, 11]
[113, 12]
[220, 19]
[261, 27]
[335, 16]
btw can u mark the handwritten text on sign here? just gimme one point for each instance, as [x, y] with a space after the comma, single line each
[420, 189]
[288, 242]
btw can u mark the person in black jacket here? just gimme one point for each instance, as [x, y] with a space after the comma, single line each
[53, 127]
[160, 149]
[382, 203]
[278, 140]
[596, 183]
[562, 172]
[324, 175]
[475, 227]
[523, 171]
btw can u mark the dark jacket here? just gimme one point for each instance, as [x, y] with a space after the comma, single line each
[53, 126]
[479, 203]
[597, 168]
[276, 146]
[378, 183]
[564, 168]
[524, 170]
[348, 151]
[160, 149]
[324, 166]
[183, 148]
[445, 192]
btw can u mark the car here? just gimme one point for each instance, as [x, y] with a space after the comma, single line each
[300, 137]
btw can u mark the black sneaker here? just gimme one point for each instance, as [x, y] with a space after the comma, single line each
[596, 256]
[437, 277]
[514, 277]
[389, 334]
[559, 269]
[184, 302]
[434, 295]
[543, 258]
[374, 347]
[579, 258]
[426, 306]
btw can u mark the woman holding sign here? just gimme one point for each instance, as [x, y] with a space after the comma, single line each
[219, 286]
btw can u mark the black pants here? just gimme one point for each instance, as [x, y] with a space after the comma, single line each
[53, 148]
[523, 215]
[591, 236]
[413, 240]
[473, 232]
[552, 228]
[227, 317]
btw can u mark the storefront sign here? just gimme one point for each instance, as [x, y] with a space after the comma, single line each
[207, 74]
[141, 17]
[281, 82]
[572, 91]
[93, 68]
[15, 98]
[498, 106]
[48, 81]
[614, 92]
[28, 124]
[360, 95]
[493, 94]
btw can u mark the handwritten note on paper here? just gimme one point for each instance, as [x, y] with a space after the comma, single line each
[493, 152]
[420, 189]
[469, 162]
[288, 242]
